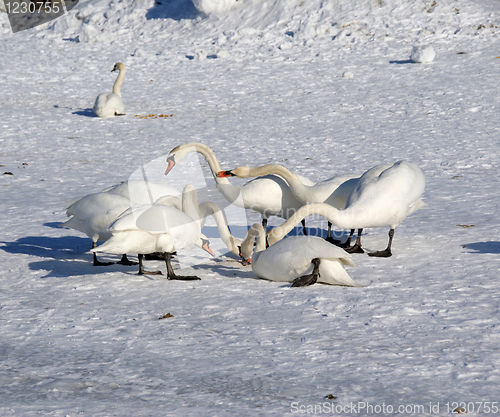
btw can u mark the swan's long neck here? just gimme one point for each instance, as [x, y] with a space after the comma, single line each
[208, 208]
[230, 191]
[339, 218]
[190, 204]
[118, 82]
[301, 191]
[247, 247]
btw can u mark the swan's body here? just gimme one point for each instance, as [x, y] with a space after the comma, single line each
[381, 198]
[93, 214]
[111, 104]
[269, 196]
[143, 192]
[293, 258]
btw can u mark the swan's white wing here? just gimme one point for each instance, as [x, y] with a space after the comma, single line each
[94, 213]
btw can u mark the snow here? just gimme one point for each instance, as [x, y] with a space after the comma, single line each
[422, 54]
[324, 88]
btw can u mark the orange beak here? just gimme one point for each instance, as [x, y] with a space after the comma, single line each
[224, 174]
[170, 165]
[206, 247]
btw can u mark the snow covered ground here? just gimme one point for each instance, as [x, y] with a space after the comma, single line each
[324, 88]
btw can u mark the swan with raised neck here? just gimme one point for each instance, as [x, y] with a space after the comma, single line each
[111, 104]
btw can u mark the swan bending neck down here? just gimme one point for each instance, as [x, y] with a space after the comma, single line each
[379, 199]
[158, 228]
[269, 196]
[111, 104]
[302, 260]
[211, 209]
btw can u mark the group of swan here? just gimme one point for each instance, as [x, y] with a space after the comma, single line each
[111, 104]
[158, 228]
[126, 219]
[383, 196]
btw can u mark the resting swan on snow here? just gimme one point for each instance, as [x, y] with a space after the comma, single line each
[158, 228]
[379, 199]
[302, 260]
[111, 104]
[268, 196]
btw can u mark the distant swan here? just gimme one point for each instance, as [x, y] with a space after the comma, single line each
[158, 228]
[379, 199]
[111, 104]
[302, 260]
[268, 196]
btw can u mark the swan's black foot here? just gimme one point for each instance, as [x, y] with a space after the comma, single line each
[345, 245]
[184, 278]
[354, 249]
[144, 272]
[333, 241]
[381, 253]
[99, 263]
[119, 114]
[310, 279]
[305, 280]
[125, 261]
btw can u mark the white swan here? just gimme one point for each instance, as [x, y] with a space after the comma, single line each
[268, 196]
[111, 104]
[93, 214]
[157, 228]
[379, 199]
[333, 191]
[302, 260]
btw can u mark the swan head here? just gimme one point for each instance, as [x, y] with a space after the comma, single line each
[178, 154]
[244, 261]
[241, 172]
[204, 244]
[118, 67]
